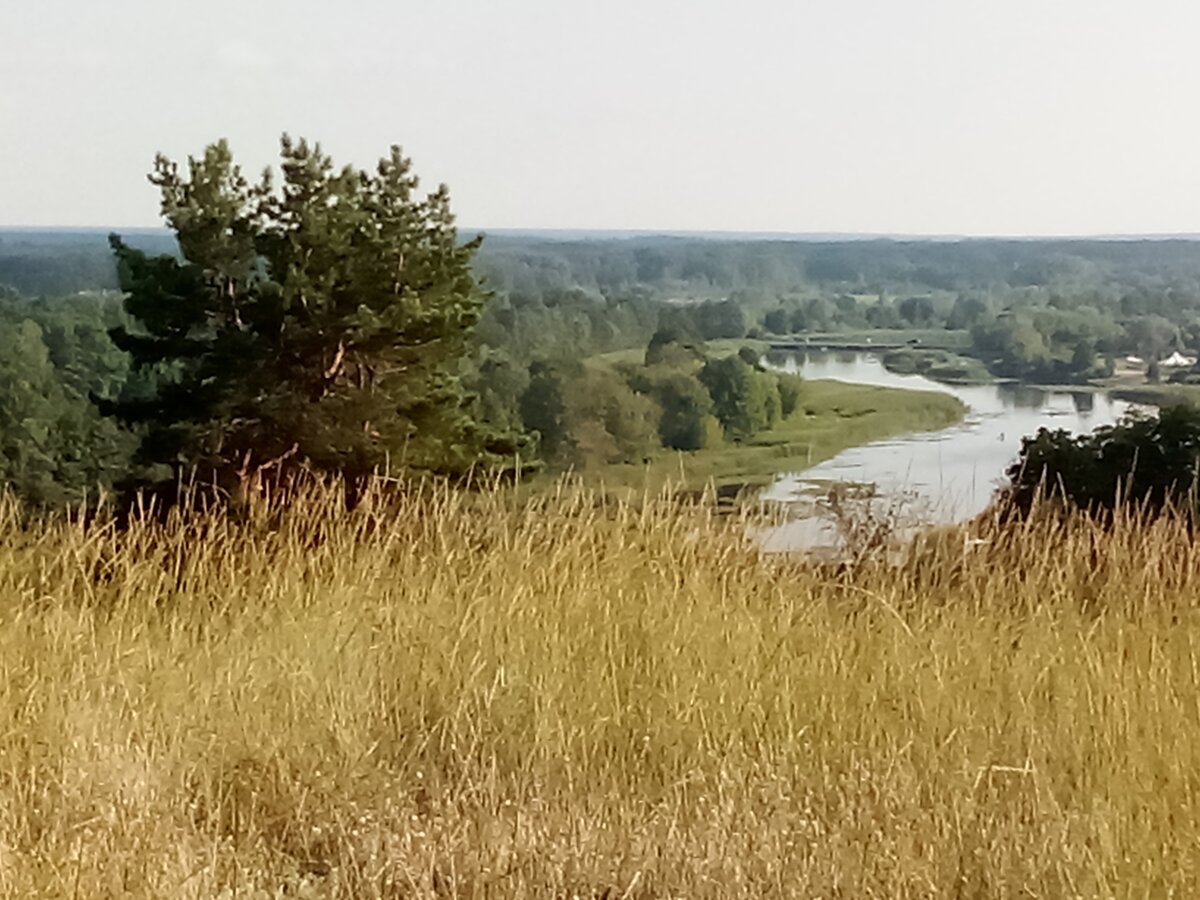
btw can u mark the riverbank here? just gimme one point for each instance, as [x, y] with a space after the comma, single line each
[830, 417]
[1160, 394]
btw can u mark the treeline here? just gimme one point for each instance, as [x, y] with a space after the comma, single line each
[774, 267]
[572, 323]
[1152, 272]
[51, 263]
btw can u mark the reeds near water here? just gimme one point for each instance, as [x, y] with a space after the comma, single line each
[463, 695]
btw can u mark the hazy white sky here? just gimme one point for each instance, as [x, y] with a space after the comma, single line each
[913, 116]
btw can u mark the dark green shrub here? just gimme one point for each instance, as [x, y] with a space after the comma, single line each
[1146, 461]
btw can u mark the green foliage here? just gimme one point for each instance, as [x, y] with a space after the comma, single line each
[745, 401]
[54, 448]
[917, 311]
[543, 408]
[717, 320]
[609, 422]
[1151, 462]
[1049, 345]
[749, 356]
[568, 322]
[1153, 336]
[789, 387]
[318, 323]
[969, 311]
[777, 321]
[685, 416]
[816, 315]
[585, 417]
[674, 345]
[31, 412]
[498, 383]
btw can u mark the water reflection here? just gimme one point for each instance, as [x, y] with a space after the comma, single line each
[1085, 402]
[953, 472]
[1022, 396]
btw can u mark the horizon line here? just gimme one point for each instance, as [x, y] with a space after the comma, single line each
[717, 234]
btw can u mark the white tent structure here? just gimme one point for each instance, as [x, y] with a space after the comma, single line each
[1178, 360]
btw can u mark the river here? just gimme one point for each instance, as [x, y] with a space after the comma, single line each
[946, 476]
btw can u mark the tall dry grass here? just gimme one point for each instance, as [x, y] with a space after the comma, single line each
[456, 695]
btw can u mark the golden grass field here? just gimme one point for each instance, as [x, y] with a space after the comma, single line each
[455, 695]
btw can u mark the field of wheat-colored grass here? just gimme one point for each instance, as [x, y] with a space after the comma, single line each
[463, 695]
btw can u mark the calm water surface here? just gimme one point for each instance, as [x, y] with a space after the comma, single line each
[950, 474]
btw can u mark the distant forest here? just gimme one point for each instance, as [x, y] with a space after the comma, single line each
[47, 262]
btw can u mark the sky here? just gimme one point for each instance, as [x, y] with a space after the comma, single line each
[976, 117]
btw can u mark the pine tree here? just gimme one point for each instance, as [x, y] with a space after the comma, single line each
[318, 324]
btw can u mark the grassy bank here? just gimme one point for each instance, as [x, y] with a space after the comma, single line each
[1159, 394]
[458, 697]
[830, 417]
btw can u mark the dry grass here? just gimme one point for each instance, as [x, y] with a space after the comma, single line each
[462, 696]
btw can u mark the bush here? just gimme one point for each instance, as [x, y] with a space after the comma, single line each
[1150, 462]
[789, 392]
[750, 357]
[686, 418]
[745, 400]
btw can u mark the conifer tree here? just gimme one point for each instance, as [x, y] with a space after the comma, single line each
[317, 323]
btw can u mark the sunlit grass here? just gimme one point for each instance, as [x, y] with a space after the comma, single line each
[459, 695]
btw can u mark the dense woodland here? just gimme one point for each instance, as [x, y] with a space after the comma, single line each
[1049, 311]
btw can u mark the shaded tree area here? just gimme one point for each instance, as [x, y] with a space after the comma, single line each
[573, 323]
[55, 356]
[1149, 462]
